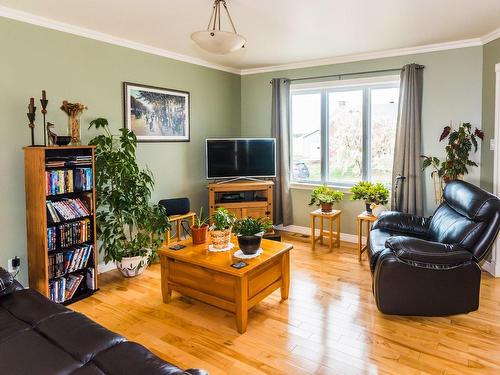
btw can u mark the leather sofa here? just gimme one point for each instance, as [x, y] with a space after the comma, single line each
[40, 337]
[429, 266]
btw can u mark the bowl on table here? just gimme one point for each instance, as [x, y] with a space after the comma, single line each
[63, 140]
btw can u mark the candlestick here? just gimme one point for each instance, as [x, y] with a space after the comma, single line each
[44, 103]
[44, 95]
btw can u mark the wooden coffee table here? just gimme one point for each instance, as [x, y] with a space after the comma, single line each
[208, 276]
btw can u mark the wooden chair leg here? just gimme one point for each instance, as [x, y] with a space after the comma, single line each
[330, 224]
[313, 233]
[338, 231]
[360, 234]
[321, 230]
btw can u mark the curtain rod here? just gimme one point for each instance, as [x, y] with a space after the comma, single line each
[339, 76]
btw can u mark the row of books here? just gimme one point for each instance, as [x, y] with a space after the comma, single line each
[66, 161]
[52, 238]
[72, 260]
[74, 233]
[66, 209]
[64, 288]
[61, 181]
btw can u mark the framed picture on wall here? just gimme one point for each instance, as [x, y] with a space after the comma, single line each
[155, 114]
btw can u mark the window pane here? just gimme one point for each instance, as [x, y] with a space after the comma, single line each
[345, 123]
[306, 137]
[384, 109]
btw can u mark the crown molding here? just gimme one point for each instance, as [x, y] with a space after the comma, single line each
[495, 34]
[474, 42]
[91, 34]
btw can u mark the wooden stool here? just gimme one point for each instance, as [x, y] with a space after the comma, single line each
[368, 219]
[331, 216]
[177, 219]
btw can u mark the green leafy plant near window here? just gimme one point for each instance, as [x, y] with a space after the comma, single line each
[250, 226]
[323, 194]
[222, 219]
[372, 194]
[461, 142]
[127, 223]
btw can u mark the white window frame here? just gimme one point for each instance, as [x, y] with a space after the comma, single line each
[324, 88]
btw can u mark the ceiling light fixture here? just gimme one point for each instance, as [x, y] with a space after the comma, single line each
[215, 40]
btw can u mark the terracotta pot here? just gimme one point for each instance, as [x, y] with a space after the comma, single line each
[249, 244]
[220, 238]
[326, 207]
[199, 234]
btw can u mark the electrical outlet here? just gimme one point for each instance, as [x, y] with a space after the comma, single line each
[13, 264]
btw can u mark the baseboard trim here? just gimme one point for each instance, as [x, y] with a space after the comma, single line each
[103, 267]
[347, 237]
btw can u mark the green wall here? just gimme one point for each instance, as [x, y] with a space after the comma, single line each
[91, 72]
[452, 91]
[491, 56]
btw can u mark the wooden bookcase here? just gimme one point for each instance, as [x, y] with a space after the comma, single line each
[37, 222]
[250, 199]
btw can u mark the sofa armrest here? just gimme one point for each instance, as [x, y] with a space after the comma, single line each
[195, 371]
[7, 283]
[393, 221]
[411, 249]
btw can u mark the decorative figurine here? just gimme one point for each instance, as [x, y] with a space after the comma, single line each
[44, 103]
[31, 118]
[52, 136]
[74, 111]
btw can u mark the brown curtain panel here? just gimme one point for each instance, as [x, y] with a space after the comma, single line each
[281, 131]
[408, 141]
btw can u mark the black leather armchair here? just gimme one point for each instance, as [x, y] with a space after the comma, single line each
[429, 266]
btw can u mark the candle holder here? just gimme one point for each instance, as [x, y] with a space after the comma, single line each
[31, 118]
[44, 103]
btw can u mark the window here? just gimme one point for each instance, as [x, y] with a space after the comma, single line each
[343, 131]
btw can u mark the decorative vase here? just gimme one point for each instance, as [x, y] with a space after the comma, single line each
[220, 238]
[199, 234]
[326, 207]
[132, 266]
[368, 208]
[74, 129]
[250, 244]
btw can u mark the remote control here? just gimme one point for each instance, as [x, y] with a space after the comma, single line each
[239, 265]
[177, 247]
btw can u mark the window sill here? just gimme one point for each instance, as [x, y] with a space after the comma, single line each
[306, 186]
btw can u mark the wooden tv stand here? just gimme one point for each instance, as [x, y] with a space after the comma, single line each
[255, 198]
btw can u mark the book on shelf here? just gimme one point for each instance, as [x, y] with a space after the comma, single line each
[66, 209]
[74, 233]
[62, 181]
[83, 179]
[52, 238]
[64, 288]
[67, 161]
[68, 261]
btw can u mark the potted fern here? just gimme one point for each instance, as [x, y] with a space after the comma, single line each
[220, 231]
[249, 232]
[199, 229]
[129, 227]
[372, 194]
[325, 197]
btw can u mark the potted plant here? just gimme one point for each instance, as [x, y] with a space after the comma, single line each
[220, 231]
[129, 227]
[372, 194]
[325, 197]
[249, 232]
[461, 142]
[199, 229]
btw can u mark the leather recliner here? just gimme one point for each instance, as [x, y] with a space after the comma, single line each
[429, 266]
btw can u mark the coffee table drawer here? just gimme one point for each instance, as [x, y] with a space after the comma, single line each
[201, 279]
[264, 277]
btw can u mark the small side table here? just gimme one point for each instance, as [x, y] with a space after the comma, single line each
[331, 216]
[368, 220]
[177, 219]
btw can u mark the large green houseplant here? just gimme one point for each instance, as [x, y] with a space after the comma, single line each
[372, 194]
[325, 197]
[130, 228]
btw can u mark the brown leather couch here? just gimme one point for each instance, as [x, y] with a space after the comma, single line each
[429, 266]
[39, 337]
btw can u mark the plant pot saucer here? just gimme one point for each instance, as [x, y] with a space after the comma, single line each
[240, 255]
[214, 250]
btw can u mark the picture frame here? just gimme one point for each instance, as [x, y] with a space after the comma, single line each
[156, 114]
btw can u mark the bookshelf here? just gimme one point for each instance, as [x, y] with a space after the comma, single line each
[60, 221]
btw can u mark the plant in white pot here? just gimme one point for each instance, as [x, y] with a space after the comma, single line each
[249, 232]
[129, 227]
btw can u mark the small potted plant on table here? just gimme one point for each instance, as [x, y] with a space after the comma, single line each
[325, 197]
[220, 231]
[372, 194]
[199, 229]
[249, 232]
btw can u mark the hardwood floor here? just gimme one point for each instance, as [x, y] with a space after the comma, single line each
[329, 325]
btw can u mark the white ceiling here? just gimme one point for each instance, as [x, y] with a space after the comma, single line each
[278, 31]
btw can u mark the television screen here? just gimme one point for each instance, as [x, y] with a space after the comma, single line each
[241, 157]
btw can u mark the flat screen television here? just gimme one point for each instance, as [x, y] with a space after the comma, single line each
[240, 157]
